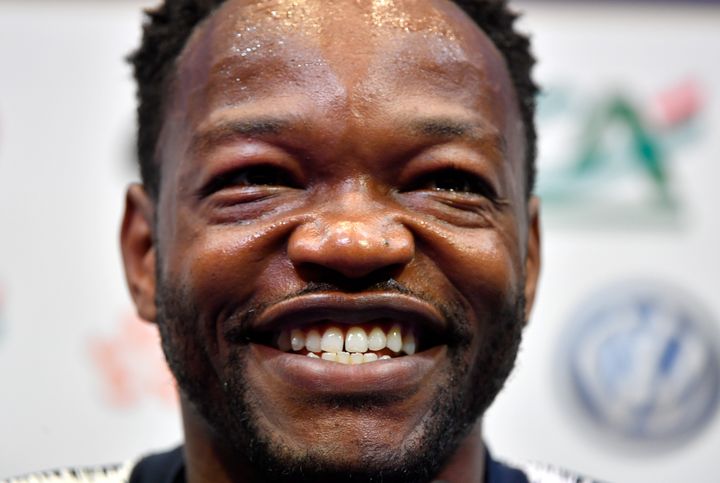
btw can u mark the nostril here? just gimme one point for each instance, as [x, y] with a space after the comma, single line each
[324, 278]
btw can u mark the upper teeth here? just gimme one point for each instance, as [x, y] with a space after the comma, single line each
[349, 346]
[332, 340]
[356, 340]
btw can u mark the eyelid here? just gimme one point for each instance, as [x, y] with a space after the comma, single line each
[227, 178]
[486, 188]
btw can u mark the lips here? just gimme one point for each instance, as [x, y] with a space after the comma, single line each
[350, 309]
[390, 341]
[387, 324]
[401, 376]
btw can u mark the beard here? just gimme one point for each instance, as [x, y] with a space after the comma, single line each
[224, 398]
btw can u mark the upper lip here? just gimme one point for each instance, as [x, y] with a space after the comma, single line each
[350, 309]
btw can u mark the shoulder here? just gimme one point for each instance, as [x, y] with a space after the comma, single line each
[540, 473]
[102, 474]
[501, 472]
[165, 467]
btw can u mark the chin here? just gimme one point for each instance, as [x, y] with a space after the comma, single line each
[406, 431]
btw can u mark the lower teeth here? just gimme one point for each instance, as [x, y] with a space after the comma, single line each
[349, 358]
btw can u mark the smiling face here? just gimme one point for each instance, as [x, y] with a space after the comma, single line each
[339, 180]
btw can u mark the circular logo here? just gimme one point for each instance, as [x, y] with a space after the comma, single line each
[642, 361]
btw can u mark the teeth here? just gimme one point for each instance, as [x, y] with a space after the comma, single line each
[313, 341]
[297, 339]
[347, 358]
[332, 340]
[343, 357]
[408, 345]
[356, 340]
[370, 357]
[377, 339]
[351, 346]
[329, 356]
[394, 339]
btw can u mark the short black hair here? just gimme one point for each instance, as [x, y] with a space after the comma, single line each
[168, 27]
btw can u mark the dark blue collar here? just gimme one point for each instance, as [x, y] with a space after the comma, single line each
[170, 468]
[496, 472]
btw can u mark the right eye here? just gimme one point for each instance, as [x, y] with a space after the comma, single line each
[253, 176]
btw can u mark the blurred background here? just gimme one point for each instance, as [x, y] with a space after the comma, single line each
[619, 373]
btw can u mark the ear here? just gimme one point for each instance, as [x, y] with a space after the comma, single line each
[532, 256]
[138, 250]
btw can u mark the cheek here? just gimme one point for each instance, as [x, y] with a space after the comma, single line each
[481, 271]
[483, 266]
[225, 269]
[220, 265]
[212, 263]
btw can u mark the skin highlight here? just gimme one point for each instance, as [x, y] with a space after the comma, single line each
[377, 113]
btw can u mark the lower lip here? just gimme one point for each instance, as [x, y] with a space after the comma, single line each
[398, 374]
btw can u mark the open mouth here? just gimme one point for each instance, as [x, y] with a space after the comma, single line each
[354, 344]
[351, 330]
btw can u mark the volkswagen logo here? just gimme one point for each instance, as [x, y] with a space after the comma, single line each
[641, 361]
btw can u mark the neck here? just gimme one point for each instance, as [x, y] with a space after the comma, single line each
[207, 461]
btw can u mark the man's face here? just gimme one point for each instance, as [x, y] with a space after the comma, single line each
[335, 168]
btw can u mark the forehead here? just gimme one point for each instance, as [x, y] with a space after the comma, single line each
[343, 46]
[337, 22]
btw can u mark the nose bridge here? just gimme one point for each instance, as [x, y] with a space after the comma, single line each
[354, 206]
[353, 233]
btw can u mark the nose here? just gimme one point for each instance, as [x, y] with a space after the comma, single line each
[354, 238]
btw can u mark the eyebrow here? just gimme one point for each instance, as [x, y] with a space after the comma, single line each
[442, 128]
[451, 129]
[433, 127]
[229, 130]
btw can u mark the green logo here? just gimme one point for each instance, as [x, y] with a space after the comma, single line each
[608, 160]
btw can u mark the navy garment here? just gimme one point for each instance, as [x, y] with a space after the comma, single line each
[170, 468]
[160, 468]
[496, 472]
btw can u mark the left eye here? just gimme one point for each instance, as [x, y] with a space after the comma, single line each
[456, 181]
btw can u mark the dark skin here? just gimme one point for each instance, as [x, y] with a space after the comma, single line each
[346, 147]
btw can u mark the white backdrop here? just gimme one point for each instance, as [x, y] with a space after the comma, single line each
[83, 382]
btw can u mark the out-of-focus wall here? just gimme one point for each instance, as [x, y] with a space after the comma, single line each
[80, 378]
[618, 374]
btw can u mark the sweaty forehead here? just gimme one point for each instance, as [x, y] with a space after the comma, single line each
[323, 19]
[352, 39]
